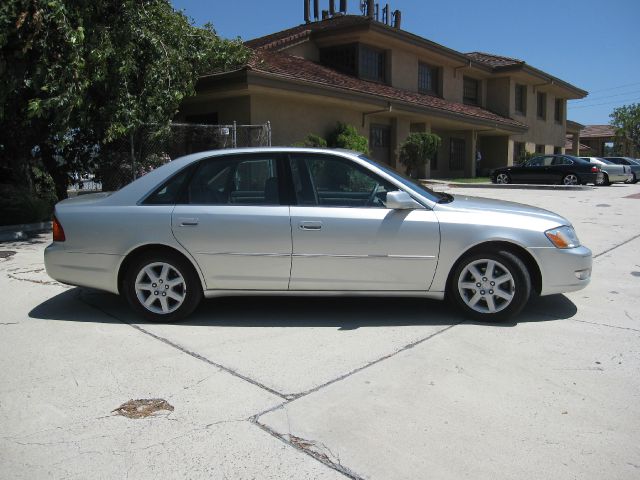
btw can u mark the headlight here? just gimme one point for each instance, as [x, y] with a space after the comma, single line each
[563, 237]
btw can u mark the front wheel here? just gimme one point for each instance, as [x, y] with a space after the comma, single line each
[490, 287]
[503, 178]
[570, 179]
[162, 286]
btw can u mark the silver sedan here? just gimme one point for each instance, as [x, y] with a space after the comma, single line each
[611, 173]
[295, 221]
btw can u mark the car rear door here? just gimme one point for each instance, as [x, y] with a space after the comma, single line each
[344, 238]
[232, 221]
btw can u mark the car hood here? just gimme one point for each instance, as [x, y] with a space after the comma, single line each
[478, 205]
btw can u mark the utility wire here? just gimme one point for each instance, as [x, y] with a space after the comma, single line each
[606, 103]
[615, 88]
[596, 99]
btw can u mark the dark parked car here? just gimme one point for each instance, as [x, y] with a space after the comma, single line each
[633, 164]
[550, 169]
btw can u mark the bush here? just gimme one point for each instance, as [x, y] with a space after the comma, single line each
[346, 136]
[312, 141]
[417, 150]
[20, 205]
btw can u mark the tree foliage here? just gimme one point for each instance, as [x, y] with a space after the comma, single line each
[417, 150]
[78, 75]
[312, 141]
[626, 119]
[346, 136]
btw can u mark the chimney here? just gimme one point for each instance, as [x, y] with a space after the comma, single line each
[343, 6]
[307, 13]
[332, 7]
[316, 10]
[370, 9]
[397, 19]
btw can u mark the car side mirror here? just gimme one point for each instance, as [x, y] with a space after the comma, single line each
[400, 200]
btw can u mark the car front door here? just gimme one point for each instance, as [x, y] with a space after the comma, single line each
[233, 223]
[344, 237]
[536, 170]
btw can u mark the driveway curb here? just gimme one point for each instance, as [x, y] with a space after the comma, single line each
[19, 232]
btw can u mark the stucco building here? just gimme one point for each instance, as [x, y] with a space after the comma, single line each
[388, 82]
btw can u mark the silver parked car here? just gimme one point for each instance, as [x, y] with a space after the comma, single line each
[611, 173]
[299, 221]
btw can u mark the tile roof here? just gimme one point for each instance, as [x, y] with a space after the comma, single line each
[494, 61]
[291, 67]
[595, 131]
[568, 145]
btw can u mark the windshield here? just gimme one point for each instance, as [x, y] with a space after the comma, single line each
[408, 181]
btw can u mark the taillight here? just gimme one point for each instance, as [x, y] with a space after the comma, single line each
[58, 232]
[595, 169]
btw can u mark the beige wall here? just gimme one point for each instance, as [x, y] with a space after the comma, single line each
[228, 109]
[498, 96]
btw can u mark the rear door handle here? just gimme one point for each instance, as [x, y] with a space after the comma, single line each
[188, 222]
[310, 225]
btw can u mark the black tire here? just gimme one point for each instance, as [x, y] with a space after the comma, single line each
[189, 288]
[605, 180]
[505, 176]
[521, 284]
[634, 179]
[565, 178]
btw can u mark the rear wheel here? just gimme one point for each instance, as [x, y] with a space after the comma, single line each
[162, 286]
[490, 287]
[634, 179]
[605, 180]
[503, 178]
[570, 179]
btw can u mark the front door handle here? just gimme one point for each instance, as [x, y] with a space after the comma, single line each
[310, 225]
[188, 222]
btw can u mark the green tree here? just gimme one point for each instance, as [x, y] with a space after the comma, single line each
[346, 136]
[312, 141]
[78, 76]
[417, 150]
[626, 120]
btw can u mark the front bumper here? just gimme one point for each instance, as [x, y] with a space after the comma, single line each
[563, 270]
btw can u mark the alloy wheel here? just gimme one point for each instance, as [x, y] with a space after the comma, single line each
[160, 288]
[486, 286]
[502, 178]
[570, 179]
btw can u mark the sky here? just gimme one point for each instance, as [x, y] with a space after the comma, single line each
[592, 44]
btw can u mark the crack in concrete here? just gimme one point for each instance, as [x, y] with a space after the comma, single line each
[616, 246]
[306, 447]
[607, 325]
[188, 352]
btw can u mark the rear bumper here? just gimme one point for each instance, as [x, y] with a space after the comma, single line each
[563, 270]
[92, 270]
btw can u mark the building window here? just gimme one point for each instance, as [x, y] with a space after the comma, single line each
[471, 91]
[457, 154]
[542, 106]
[559, 113]
[343, 58]
[519, 151]
[539, 148]
[428, 79]
[521, 99]
[372, 64]
[557, 150]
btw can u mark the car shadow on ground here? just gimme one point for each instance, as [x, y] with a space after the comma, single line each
[344, 313]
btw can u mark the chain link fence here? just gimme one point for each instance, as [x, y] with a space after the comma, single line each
[116, 164]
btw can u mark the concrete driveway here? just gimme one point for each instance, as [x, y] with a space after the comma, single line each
[270, 388]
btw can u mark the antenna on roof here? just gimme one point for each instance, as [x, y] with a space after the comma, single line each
[316, 10]
[332, 7]
[397, 19]
[343, 6]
